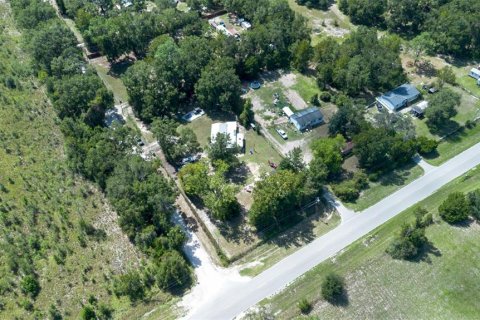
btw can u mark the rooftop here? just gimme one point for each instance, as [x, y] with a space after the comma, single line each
[307, 116]
[399, 97]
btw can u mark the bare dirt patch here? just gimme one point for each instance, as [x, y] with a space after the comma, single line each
[296, 100]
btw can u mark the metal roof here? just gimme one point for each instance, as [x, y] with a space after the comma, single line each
[307, 116]
[399, 97]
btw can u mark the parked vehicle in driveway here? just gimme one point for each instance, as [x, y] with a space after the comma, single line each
[282, 133]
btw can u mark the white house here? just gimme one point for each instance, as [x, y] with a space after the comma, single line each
[235, 137]
[475, 73]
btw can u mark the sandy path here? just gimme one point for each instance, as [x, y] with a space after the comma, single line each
[295, 99]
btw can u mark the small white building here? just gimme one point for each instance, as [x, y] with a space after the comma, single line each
[475, 73]
[231, 129]
[288, 112]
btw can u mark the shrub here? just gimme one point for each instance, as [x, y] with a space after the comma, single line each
[474, 202]
[304, 306]
[325, 96]
[455, 208]
[332, 287]
[314, 100]
[88, 313]
[426, 146]
[349, 190]
[30, 285]
[407, 244]
[131, 285]
[172, 272]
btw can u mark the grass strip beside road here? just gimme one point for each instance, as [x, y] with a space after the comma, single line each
[443, 284]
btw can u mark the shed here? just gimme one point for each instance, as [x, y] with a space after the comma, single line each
[288, 112]
[307, 118]
[399, 97]
[418, 110]
[475, 73]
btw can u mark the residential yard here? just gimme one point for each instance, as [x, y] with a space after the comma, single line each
[272, 251]
[386, 185]
[442, 284]
[330, 22]
[456, 138]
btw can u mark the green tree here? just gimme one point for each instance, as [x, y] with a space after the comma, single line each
[276, 198]
[222, 149]
[220, 199]
[301, 54]
[421, 45]
[425, 145]
[408, 243]
[172, 272]
[455, 208]
[130, 284]
[176, 144]
[447, 75]
[194, 178]
[50, 41]
[88, 313]
[247, 115]
[293, 161]
[328, 150]
[30, 285]
[474, 201]
[332, 287]
[219, 87]
[441, 108]
[347, 121]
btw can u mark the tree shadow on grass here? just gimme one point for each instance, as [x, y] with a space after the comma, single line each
[236, 230]
[451, 130]
[341, 300]
[425, 252]
[396, 177]
[117, 69]
[239, 174]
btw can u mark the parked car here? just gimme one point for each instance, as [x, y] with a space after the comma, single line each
[282, 134]
[190, 159]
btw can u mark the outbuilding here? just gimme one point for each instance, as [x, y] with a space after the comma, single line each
[288, 112]
[475, 73]
[399, 97]
[306, 119]
[418, 110]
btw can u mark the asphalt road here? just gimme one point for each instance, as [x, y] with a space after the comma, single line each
[232, 297]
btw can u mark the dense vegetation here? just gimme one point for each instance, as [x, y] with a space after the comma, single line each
[450, 25]
[108, 156]
[361, 62]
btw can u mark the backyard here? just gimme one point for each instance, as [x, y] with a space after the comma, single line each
[443, 283]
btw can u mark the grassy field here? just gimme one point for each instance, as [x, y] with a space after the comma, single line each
[330, 22]
[306, 87]
[387, 184]
[42, 204]
[443, 284]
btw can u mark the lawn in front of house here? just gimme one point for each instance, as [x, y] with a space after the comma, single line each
[444, 284]
[272, 251]
[386, 185]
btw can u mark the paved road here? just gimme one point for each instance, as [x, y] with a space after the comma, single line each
[234, 297]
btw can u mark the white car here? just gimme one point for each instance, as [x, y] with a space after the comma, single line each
[282, 134]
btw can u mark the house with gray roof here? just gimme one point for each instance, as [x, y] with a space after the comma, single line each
[306, 119]
[399, 97]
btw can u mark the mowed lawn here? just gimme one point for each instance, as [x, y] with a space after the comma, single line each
[386, 185]
[443, 284]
